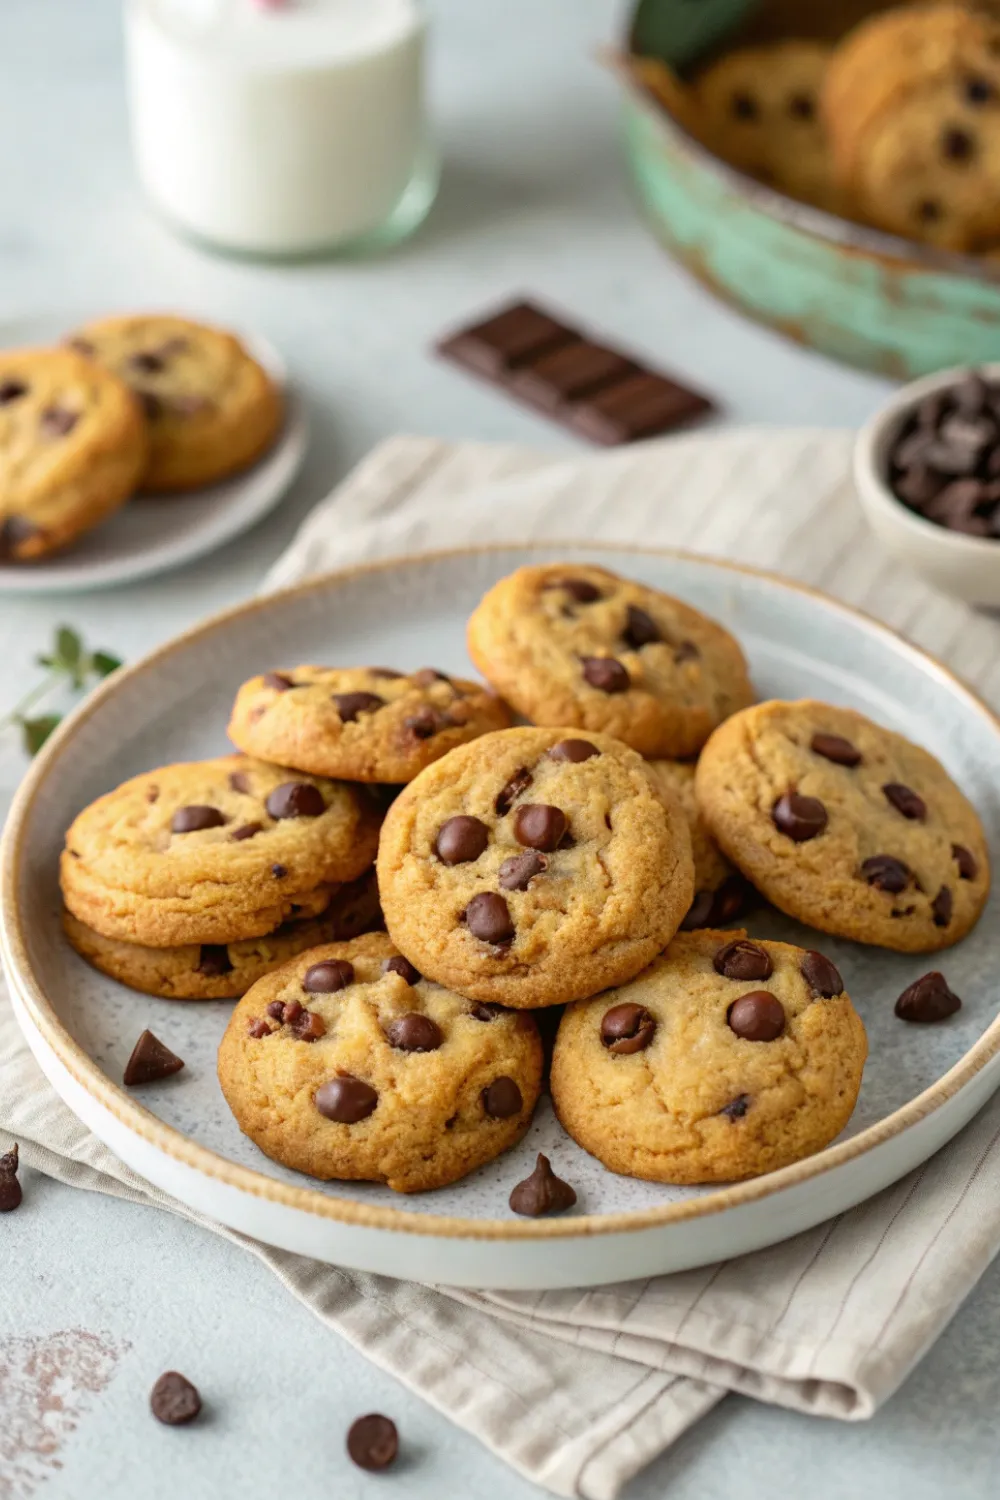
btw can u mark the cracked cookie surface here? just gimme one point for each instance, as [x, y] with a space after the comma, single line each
[725, 1059]
[211, 409]
[361, 723]
[845, 825]
[574, 645]
[212, 851]
[224, 971]
[73, 447]
[534, 866]
[347, 1063]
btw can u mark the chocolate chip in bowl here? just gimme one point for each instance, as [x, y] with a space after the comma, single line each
[927, 474]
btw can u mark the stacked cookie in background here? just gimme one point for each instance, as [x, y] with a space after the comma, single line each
[146, 403]
[575, 870]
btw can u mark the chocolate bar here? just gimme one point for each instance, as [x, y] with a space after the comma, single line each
[598, 392]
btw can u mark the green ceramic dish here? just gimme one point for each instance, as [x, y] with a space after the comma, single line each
[871, 299]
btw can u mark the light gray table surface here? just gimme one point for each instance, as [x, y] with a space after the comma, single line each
[533, 199]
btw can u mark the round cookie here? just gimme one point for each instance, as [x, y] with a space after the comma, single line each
[73, 447]
[845, 825]
[720, 893]
[759, 108]
[573, 645]
[346, 1063]
[361, 723]
[212, 851]
[224, 971]
[727, 1058]
[212, 409]
[534, 867]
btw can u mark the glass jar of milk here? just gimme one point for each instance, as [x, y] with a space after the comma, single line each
[282, 127]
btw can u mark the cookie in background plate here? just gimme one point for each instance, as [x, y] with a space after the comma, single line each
[361, 723]
[213, 851]
[347, 1063]
[574, 645]
[845, 825]
[725, 1059]
[720, 892]
[73, 447]
[534, 866]
[224, 971]
[211, 408]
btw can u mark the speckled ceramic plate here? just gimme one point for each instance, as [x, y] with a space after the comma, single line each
[154, 533]
[921, 1083]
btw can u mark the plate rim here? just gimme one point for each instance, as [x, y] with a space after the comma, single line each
[180, 1147]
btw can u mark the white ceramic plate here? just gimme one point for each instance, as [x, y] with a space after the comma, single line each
[921, 1084]
[152, 534]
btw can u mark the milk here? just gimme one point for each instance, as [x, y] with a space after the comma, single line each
[281, 127]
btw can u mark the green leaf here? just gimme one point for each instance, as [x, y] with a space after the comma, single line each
[102, 662]
[68, 646]
[47, 661]
[34, 732]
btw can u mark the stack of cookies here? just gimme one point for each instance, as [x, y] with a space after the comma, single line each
[144, 402]
[579, 867]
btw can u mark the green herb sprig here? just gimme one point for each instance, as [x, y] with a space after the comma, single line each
[67, 664]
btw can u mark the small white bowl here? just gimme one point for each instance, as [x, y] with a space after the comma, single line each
[967, 567]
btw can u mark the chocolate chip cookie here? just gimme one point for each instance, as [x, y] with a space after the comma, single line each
[212, 851]
[725, 1059]
[534, 866]
[348, 1063]
[223, 971]
[73, 447]
[720, 892]
[573, 645]
[361, 723]
[845, 825]
[211, 409]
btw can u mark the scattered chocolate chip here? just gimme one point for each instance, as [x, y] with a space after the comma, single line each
[517, 872]
[737, 1107]
[193, 819]
[743, 106]
[834, 747]
[279, 872]
[56, 421]
[941, 907]
[821, 975]
[146, 362]
[296, 799]
[10, 1188]
[401, 966]
[686, 651]
[11, 390]
[574, 751]
[977, 90]
[606, 674]
[906, 801]
[539, 826]
[627, 1028]
[518, 783]
[460, 840]
[928, 210]
[482, 1010]
[640, 629]
[542, 1193]
[291, 1011]
[427, 677]
[699, 912]
[258, 1028]
[802, 107]
[886, 873]
[239, 781]
[388, 673]
[577, 588]
[957, 145]
[427, 722]
[928, 999]
[373, 1442]
[488, 918]
[350, 705]
[327, 977]
[502, 1098]
[414, 1033]
[309, 1026]
[150, 1061]
[246, 831]
[278, 681]
[346, 1099]
[14, 531]
[968, 868]
[174, 1400]
[276, 1010]
[213, 960]
[742, 959]
[757, 1017]
[799, 818]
